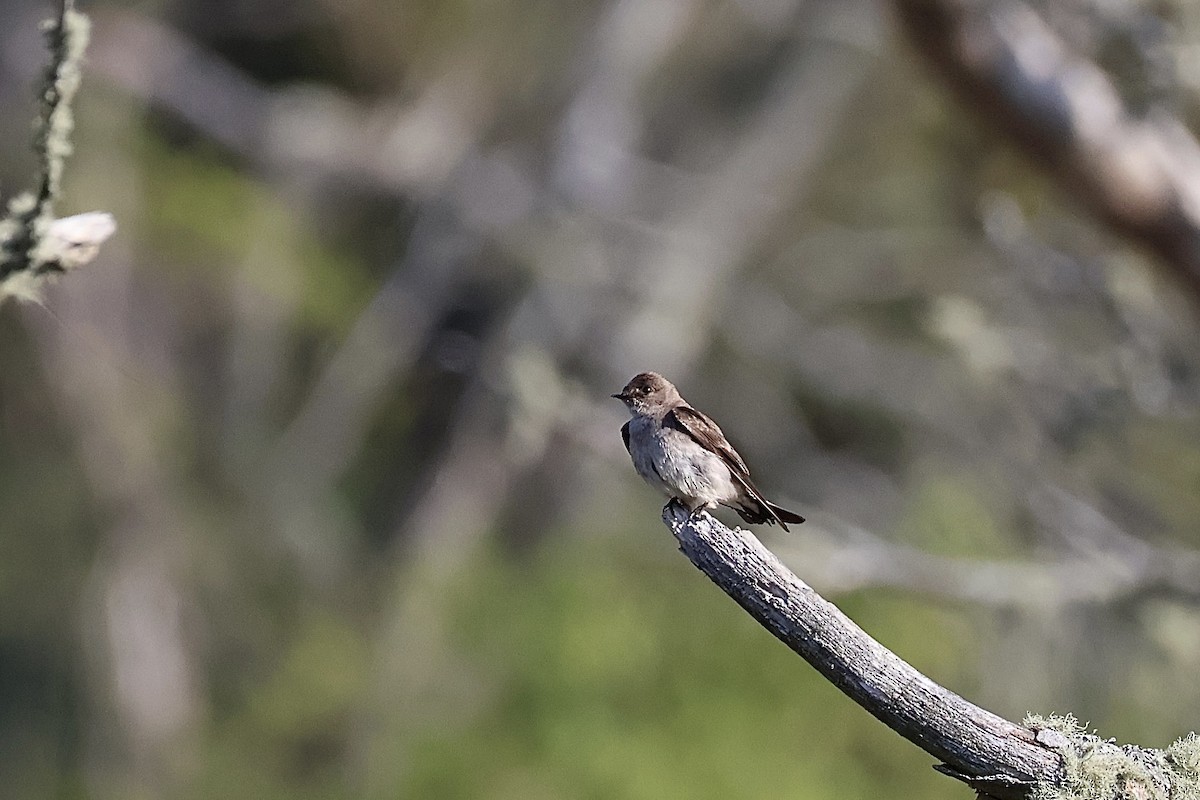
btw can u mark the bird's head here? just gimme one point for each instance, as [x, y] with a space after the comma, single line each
[647, 392]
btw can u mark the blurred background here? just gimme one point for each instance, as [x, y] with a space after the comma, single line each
[312, 486]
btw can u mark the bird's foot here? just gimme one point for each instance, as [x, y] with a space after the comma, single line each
[677, 511]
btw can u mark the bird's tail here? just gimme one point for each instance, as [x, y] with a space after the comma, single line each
[761, 512]
[785, 515]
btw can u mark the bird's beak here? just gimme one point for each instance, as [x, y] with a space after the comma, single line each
[618, 396]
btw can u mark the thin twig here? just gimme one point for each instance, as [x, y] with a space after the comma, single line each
[33, 244]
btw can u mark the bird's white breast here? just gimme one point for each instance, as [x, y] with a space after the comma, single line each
[676, 465]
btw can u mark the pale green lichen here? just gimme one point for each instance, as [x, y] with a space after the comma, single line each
[1100, 769]
[1184, 756]
[30, 214]
[67, 37]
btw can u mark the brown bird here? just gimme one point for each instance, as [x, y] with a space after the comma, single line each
[682, 453]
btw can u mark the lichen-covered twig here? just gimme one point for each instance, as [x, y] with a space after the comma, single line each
[34, 246]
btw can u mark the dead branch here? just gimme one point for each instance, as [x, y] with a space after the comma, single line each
[992, 755]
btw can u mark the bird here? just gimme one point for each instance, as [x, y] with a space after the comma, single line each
[684, 454]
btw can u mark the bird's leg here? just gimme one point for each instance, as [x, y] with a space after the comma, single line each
[675, 505]
[694, 512]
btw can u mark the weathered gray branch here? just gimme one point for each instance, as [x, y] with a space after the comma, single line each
[991, 754]
[1140, 173]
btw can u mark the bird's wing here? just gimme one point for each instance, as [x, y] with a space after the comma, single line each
[709, 435]
[625, 437]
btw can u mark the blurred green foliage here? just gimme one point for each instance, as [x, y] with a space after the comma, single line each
[619, 672]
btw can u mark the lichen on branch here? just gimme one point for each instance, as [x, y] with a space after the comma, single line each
[34, 245]
[1100, 769]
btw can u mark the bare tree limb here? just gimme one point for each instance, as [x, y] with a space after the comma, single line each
[1140, 174]
[994, 756]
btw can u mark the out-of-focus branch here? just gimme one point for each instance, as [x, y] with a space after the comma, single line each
[994, 756]
[316, 132]
[33, 244]
[1141, 175]
[731, 210]
[861, 560]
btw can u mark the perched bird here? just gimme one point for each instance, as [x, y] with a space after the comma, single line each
[682, 453]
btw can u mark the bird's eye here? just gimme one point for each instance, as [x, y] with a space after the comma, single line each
[645, 390]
